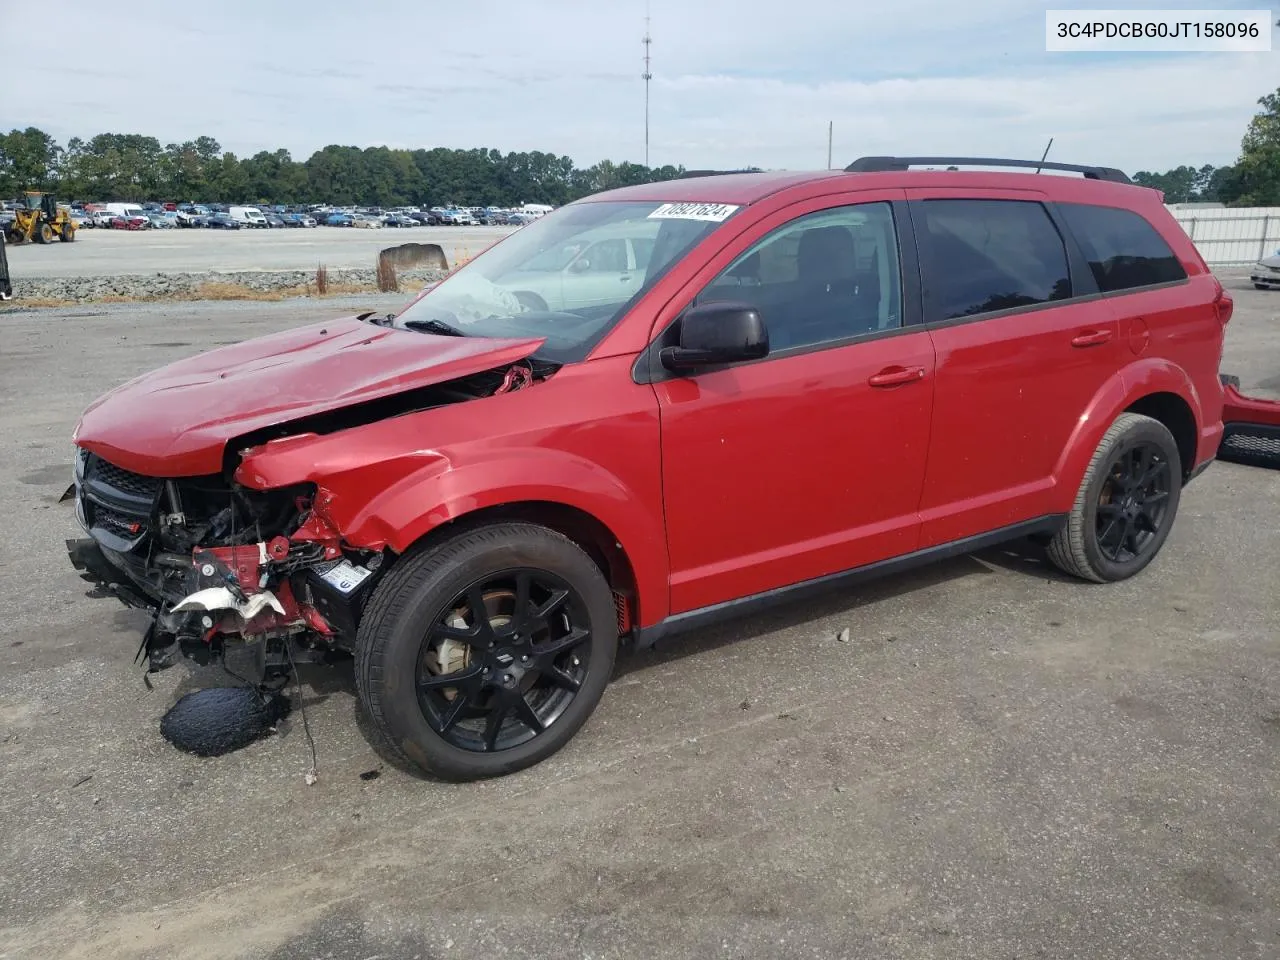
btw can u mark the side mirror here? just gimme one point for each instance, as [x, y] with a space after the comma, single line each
[716, 333]
[581, 265]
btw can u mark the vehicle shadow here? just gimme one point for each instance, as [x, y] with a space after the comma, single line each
[1022, 556]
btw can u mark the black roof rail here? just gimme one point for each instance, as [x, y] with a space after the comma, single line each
[882, 164]
[716, 173]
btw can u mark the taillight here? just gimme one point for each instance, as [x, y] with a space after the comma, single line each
[1224, 305]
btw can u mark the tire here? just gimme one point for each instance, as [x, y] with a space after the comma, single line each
[67, 234]
[1083, 546]
[44, 233]
[397, 638]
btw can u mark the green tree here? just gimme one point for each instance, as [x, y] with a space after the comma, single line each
[29, 160]
[1259, 165]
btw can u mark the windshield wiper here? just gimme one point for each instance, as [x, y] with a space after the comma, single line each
[434, 326]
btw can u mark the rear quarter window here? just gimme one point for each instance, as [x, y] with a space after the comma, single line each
[1125, 252]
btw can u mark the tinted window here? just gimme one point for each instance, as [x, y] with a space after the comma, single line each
[992, 255]
[607, 256]
[1124, 250]
[823, 276]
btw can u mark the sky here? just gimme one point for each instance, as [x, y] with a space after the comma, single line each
[742, 83]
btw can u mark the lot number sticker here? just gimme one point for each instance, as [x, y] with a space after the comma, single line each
[714, 212]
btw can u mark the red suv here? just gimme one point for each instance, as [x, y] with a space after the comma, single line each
[653, 408]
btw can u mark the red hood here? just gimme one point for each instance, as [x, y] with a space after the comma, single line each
[176, 421]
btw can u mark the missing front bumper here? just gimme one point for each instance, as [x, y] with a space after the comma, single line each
[108, 580]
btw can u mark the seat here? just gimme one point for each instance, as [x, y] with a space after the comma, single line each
[829, 303]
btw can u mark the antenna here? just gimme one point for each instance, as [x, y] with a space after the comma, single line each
[830, 127]
[647, 76]
[1045, 154]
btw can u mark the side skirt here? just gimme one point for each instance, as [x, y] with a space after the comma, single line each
[645, 637]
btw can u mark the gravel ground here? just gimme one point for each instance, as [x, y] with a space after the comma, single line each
[105, 253]
[1001, 763]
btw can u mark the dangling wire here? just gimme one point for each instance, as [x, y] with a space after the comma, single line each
[313, 773]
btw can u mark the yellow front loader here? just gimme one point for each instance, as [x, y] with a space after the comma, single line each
[41, 220]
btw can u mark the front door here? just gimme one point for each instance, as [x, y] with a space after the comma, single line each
[809, 461]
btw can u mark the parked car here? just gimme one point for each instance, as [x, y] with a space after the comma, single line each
[425, 218]
[102, 218]
[813, 380]
[160, 222]
[223, 221]
[366, 222]
[398, 220]
[274, 221]
[338, 220]
[1265, 274]
[130, 222]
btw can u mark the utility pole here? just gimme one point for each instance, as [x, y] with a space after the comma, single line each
[647, 75]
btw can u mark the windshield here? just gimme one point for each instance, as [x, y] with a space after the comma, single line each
[568, 276]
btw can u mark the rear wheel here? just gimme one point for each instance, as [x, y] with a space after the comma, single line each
[68, 233]
[486, 654]
[44, 233]
[1126, 504]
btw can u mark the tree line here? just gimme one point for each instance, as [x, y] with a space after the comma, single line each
[127, 166]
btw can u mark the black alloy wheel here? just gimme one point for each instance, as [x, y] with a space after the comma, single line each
[1133, 503]
[1126, 503]
[485, 653]
[504, 660]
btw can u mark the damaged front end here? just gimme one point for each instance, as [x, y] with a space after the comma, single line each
[215, 562]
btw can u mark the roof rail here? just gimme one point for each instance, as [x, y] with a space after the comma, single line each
[881, 164]
[716, 173]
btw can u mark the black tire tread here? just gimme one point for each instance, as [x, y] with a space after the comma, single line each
[1067, 549]
[393, 594]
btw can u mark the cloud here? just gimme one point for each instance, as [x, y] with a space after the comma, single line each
[749, 82]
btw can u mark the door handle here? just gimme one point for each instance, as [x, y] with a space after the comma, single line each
[894, 376]
[1091, 338]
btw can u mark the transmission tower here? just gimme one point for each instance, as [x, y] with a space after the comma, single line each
[647, 76]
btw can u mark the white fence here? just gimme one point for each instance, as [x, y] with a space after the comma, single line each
[1231, 236]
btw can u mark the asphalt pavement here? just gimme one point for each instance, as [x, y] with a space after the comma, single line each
[999, 763]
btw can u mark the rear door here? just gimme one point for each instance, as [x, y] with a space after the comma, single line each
[1023, 345]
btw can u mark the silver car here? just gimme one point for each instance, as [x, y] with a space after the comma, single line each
[1266, 272]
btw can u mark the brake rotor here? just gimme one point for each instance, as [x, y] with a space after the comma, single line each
[450, 656]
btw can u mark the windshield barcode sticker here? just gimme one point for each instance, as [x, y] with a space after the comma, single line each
[714, 212]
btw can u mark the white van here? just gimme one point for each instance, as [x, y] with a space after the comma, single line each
[249, 216]
[124, 209]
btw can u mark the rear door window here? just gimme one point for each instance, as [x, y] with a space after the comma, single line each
[991, 255]
[1124, 250]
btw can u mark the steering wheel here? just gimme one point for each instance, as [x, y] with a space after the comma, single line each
[531, 301]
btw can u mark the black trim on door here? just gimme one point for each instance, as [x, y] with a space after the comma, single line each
[648, 367]
[716, 613]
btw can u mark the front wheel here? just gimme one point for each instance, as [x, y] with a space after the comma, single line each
[486, 654]
[1126, 504]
